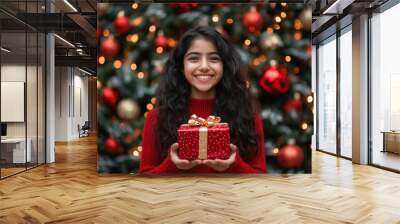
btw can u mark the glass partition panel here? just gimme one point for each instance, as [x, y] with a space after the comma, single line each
[346, 93]
[327, 96]
[385, 89]
[15, 151]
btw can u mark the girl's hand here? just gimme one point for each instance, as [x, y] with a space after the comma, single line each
[222, 165]
[182, 164]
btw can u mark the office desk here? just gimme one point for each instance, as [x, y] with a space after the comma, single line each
[391, 141]
[15, 148]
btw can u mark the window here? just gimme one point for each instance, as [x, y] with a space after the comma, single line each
[385, 89]
[346, 92]
[327, 96]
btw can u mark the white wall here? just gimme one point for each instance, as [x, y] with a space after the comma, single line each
[71, 94]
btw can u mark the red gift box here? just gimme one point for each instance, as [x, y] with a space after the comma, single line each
[206, 139]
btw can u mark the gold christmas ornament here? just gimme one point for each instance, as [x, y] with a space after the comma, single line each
[128, 109]
[270, 40]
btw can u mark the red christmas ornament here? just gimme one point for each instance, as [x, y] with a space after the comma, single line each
[121, 24]
[161, 41]
[109, 47]
[253, 20]
[290, 156]
[293, 104]
[111, 146]
[110, 96]
[275, 81]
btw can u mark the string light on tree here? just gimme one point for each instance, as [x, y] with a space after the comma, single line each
[140, 75]
[152, 28]
[229, 21]
[102, 60]
[133, 67]
[310, 99]
[304, 126]
[247, 42]
[215, 18]
[135, 6]
[137, 21]
[117, 64]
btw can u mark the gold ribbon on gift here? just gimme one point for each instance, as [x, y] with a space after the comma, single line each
[203, 131]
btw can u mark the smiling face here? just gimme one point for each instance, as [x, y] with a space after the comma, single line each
[203, 68]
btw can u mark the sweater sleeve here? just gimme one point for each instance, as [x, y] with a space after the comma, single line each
[257, 164]
[149, 161]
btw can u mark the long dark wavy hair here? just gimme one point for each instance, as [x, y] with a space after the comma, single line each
[233, 101]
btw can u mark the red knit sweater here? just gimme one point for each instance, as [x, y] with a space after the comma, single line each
[151, 164]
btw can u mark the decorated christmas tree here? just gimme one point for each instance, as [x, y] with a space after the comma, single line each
[273, 40]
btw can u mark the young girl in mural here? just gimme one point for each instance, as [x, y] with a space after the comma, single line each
[203, 77]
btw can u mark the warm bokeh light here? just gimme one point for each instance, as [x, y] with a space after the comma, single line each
[106, 33]
[140, 75]
[247, 42]
[117, 64]
[102, 60]
[133, 67]
[152, 28]
[297, 35]
[304, 126]
[171, 42]
[310, 99]
[135, 6]
[298, 24]
[134, 38]
[137, 21]
[159, 50]
[215, 18]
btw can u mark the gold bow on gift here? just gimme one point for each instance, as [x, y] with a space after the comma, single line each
[199, 121]
[204, 124]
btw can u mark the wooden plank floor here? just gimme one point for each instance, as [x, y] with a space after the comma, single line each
[70, 191]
